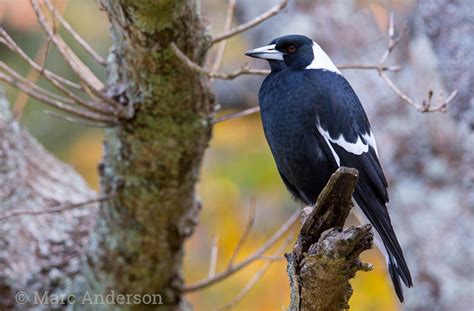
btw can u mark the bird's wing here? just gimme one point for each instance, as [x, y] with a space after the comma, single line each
[342, 124]
[344, 133]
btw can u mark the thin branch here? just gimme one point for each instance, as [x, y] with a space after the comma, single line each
[272, 258]
[213, 260]
[55, 103]
[73, 98]
[392, 40]
[192, 65]
[377, 67]
[8, 70]
[257, 276]
[247, 70]
[284, 229]
[78, 67]
[54, 209]
[244, 70]
[10, 43]
[58, 81]
[74, 34]
[254, 22]
[426, 104]
[82, 71]
[22, 98]
[67, 118]
[245, 234]
[223, 43]
[236, 115]
[92, 105]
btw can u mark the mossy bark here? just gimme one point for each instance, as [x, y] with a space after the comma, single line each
[152, 160]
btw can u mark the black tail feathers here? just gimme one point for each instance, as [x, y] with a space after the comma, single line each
[396, 274]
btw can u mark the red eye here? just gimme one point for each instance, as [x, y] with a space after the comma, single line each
[291, 49]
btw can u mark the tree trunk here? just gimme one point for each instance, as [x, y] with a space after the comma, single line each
[38, 252]
[151, 161]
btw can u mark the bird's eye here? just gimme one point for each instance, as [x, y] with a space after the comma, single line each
[291, 49]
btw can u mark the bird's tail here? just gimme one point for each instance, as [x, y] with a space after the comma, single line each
[395, 275]
[387, 242]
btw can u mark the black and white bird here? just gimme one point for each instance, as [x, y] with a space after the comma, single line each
[315, 123]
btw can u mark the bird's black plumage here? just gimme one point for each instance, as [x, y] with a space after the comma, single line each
[314, 123]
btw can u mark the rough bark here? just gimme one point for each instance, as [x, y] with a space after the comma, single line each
[326, 257]
[151, 161]
[38, 252]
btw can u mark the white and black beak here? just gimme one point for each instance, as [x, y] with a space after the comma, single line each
[266, 52]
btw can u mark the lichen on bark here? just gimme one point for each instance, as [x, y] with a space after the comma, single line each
[152, 160]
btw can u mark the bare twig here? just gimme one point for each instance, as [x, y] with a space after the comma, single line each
[245, 234]
[244, 70]
[82, 71]
[86, 76]
[10, 71]
[10, 43]
[257, 276]
[236, 114]
[284, 229]
[392, 39]
[74, 34]
[426, 104]
[22, 98]
[192, 65]
[213, 259]
[254, 22]
[223, 43]
[59, 82]
[33, 92]
[67, 118]
[272, 258]
[72, 98]
[377, 67]
[247, 70]
[54, 209]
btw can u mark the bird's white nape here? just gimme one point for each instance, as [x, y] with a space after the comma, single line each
[321, 60]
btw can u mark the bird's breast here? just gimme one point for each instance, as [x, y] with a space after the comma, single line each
[288, 120]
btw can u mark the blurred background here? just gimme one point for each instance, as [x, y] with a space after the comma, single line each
[428, 158]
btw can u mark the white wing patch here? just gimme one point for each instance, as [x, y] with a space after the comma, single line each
[370, 138]
[358, 148]
[321, 60]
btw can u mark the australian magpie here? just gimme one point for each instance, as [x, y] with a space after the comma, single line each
[314, 123]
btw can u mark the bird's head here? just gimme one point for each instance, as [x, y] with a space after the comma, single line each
[296, 51]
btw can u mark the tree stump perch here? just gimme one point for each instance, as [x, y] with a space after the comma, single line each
[325, 256]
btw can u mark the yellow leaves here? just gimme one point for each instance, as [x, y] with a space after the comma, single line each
[85, 154]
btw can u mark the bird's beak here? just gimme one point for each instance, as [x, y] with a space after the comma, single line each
[265, 52]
